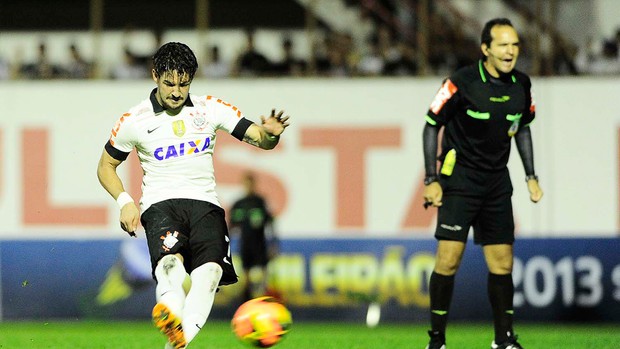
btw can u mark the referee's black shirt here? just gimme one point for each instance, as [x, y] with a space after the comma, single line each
[477, 111]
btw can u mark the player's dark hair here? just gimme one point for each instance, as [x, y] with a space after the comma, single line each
[485, 37]
[175, 56]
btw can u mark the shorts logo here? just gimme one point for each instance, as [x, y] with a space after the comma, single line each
[451, 227]
[170, 240]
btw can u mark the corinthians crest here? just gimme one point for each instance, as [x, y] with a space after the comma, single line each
[199, 121]
[179, 128]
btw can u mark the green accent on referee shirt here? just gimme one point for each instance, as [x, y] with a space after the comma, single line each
[514, 117]
[439, 312]
[484, 78]
[511, 312]
[430, 120]
[481, 70]
[501, 99]
[478, 115]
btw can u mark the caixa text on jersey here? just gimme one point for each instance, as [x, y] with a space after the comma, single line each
[182, 149]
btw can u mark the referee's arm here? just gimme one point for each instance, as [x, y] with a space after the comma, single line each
[433, 192]
[523, 139]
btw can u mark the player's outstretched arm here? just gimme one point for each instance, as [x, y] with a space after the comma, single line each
[267, 135]
[111, 182]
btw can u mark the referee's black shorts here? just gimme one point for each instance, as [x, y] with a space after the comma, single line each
[478, 199]
[195, 229]
[254, 254]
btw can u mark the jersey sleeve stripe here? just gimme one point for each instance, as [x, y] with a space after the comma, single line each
[115, 153]
[242, 126]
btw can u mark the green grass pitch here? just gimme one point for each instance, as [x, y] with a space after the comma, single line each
[304, 335]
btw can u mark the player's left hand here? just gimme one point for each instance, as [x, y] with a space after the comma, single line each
[535, 192]
[275, 123]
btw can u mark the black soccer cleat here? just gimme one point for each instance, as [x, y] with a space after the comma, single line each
[510, 343]
[438, 340]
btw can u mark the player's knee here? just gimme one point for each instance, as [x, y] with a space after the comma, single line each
[213, 269]
[169, 261]
[447, 265]
[209, 272]
[501, 267]
[500, 261]
[170, 267]
[445, 269]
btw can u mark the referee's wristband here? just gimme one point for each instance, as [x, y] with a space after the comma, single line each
[430, 179]
[527, 178]
[123, 199]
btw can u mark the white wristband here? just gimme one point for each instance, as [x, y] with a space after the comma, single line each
[123, 199]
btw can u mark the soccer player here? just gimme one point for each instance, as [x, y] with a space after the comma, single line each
[250, 217]
[174, 134]
[481, 107]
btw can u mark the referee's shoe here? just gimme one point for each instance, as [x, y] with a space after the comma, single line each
[438, 340]
[510, 343]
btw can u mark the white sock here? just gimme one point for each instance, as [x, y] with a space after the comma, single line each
[199, 301]
[170, 274]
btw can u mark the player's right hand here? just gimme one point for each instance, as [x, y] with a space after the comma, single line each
[130, 218]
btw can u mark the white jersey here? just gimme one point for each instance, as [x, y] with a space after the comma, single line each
[175, 152]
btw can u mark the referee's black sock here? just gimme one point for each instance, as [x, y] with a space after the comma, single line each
[440, 287]
[501, 291]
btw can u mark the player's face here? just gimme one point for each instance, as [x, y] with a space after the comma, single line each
[503, 51]
[172, 90]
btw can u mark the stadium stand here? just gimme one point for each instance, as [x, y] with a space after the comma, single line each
[112, 39]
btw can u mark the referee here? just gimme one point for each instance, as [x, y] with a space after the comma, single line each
[252, 220]
[481, 107]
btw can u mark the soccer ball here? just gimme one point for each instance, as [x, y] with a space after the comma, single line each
[261, 322]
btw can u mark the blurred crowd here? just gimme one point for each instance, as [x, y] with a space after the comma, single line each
[599, 57]
[337, 55]
[380, 52]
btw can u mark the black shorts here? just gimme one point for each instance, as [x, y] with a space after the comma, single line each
[195, 229]
[478, 199]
